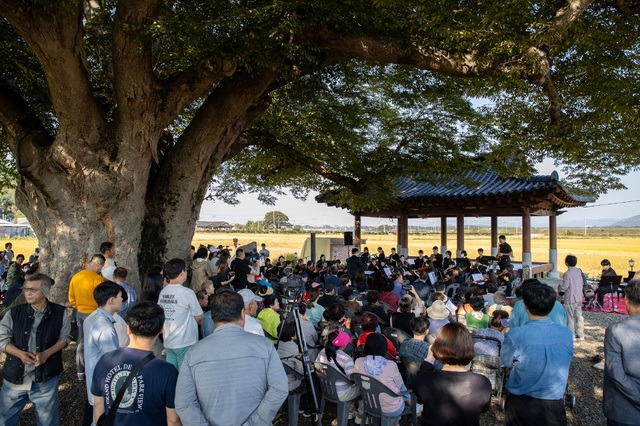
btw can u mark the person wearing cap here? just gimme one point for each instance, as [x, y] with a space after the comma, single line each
[333, 354]
[329, 297]
[251, 324]
[232, 377]
[376, 365]
[607, 271]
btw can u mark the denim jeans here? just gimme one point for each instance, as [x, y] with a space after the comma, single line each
[44, 397]
[80, 348]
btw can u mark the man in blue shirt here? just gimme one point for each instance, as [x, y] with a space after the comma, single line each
[120, 277]
[519, 315]
[100, 334]
[539, 353]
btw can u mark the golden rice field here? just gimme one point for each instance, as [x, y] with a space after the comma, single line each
[589, 250]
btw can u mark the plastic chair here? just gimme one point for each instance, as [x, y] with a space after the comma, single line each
[396, 336]
[411, 369]
[293, 400]
[387, 307]
[328, 376]
[451, 290]
[371, 390]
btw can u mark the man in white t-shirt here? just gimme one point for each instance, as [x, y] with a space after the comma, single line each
[251, 324]
[108, 250]
[182, 313]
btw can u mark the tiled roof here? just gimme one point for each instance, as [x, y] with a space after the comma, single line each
[487, 184]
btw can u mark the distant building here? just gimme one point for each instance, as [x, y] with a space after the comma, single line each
[9, 229]
[202, 225]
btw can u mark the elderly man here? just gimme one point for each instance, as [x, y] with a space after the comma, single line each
[217, 385]
[33, 336]
[621, 390]
[572, 285]
[251, 324]
[81, 299]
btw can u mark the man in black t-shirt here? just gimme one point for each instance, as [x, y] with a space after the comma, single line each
[607, 271]
[504, 252]
[149, 399]
[241, 268]
[436, 258]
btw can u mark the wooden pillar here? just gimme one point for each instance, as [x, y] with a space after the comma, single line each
[553, 246]
[526, 240]
[460, 234]
[443, 235]
[494, 235]
[403, 234]
[357, 229]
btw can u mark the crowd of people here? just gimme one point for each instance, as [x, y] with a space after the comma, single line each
[207, 338]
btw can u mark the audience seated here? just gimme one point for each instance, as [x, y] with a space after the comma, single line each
[370, 325]
[376, 365]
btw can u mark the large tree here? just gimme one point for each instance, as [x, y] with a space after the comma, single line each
[118, 113]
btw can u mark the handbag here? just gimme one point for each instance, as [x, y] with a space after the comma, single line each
[107, 420]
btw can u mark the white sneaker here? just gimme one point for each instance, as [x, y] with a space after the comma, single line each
[599, 366]
[352, 413]
[358, 419]
[419, 408]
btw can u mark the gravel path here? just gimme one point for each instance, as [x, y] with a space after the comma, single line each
[585, 383]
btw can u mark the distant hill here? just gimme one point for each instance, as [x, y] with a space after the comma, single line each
[630, 222]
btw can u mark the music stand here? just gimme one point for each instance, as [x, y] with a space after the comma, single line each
[611, 280]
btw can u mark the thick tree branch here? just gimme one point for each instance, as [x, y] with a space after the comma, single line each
[57, 43]
[136, 86]
[19, 120]
[622, 7]
[181, 90]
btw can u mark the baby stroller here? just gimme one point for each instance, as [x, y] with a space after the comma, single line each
[489, 366]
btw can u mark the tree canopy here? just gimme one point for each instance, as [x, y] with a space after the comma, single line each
[118, 114]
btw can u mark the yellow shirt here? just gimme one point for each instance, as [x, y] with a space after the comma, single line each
[81, 291]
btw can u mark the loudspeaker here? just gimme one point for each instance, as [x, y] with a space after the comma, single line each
[348, 238]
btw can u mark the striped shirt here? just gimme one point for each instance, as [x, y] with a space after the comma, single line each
[344, 361]
[230, 378]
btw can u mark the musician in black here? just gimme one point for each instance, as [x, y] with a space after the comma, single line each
[465, 263]
[504, 252]
[607, 271]
[436, 258]
[482, 262]
[394, 258]
[420, 260]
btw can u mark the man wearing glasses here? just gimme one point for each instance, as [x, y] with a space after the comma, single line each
[33, 336]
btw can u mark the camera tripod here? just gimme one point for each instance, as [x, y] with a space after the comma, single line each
[292, 313]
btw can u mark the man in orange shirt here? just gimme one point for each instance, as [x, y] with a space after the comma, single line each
[81, 299]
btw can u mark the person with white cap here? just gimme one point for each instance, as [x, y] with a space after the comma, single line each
[251, 324]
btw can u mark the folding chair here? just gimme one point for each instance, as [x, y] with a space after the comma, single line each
[371, 390]
[293, 400]
[328, 377]
[396, 336]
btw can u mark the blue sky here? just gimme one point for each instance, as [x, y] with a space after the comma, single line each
[310, 212]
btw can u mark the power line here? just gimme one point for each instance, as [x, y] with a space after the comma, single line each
[610, 204]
